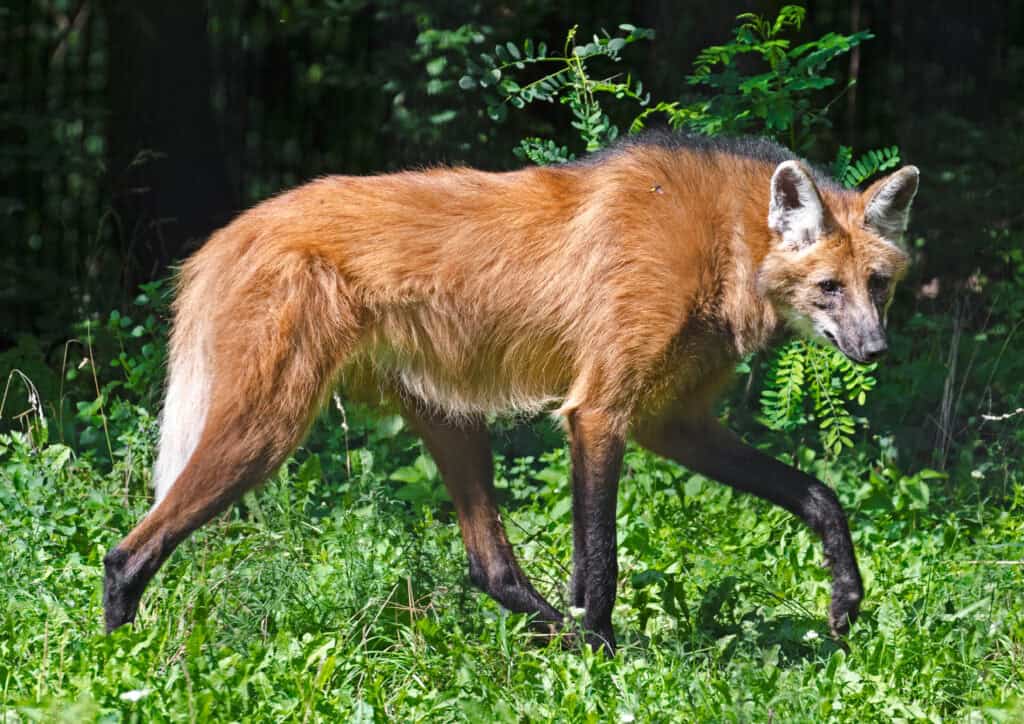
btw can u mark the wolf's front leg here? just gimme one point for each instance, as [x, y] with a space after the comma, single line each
[597, 443]
[709, 449]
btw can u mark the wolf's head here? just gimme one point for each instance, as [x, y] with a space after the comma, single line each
[835, 256]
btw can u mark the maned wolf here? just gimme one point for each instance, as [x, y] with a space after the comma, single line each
[618, 292]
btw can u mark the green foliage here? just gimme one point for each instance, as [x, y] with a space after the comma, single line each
[107, 378]
[426, 111]
[139, 342]
[806, 382]
[854, 173]
[567, 78]
[114, 398]
[420, 482]
[324, 598]
[778, 100]
[543, 151]
[784, 394]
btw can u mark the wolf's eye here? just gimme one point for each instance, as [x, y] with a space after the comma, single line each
[878, 283]
[830, 286]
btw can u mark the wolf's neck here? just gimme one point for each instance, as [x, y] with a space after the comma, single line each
[751, 317]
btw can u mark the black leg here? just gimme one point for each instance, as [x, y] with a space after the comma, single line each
[711, 450]
[597, 450]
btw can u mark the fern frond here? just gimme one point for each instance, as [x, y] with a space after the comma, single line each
[784, 392]
[806, 380]
[854, 173]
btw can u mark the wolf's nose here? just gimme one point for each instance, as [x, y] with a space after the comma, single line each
[874, 350]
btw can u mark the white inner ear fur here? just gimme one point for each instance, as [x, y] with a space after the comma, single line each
[795, 212]
[888, 211]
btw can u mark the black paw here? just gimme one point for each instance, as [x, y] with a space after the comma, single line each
[846, 598]
[121, 593]
[602, 641]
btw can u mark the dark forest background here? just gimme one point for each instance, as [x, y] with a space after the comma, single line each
[130, 130]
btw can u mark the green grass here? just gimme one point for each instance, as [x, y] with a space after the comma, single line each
[326, 597]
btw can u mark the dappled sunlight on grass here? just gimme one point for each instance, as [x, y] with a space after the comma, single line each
[324, 597]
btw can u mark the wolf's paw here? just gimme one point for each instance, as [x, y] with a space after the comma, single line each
[120, 594]
[846, 598]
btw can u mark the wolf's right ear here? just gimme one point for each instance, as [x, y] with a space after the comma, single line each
[795, 211]
[888, 200]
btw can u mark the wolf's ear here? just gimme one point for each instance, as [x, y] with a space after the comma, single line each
[888, 200]
[795, 212]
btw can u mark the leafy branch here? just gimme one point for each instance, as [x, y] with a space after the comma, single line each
[570, 83]
[853, 173]
[778, 99]
[807, 382]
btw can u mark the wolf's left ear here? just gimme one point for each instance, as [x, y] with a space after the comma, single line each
[795, 211]
[887, 210]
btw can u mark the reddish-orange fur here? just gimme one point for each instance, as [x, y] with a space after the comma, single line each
[621, 292]
[497, 287]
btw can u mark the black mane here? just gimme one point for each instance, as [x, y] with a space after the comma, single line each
[757, 148]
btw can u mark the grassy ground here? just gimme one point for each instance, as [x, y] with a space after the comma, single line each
[332, 596]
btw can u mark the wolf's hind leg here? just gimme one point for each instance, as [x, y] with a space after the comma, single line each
[462, 451]
[270, 363]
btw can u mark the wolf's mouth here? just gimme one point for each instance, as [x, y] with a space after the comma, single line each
[859, 359]
[835, 343]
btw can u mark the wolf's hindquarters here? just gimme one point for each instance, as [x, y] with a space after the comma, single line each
[239, 401]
